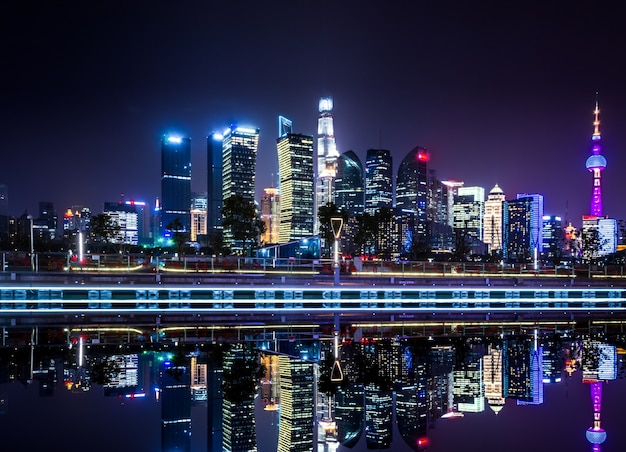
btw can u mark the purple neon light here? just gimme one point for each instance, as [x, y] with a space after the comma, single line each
[596, 163]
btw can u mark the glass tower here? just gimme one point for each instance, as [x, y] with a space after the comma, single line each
[349, 184]
[297, 202]
[175, 181]
[214, 182]
[326, 155]
[378, 180]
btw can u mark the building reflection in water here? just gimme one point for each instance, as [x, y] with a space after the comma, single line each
[394, 391]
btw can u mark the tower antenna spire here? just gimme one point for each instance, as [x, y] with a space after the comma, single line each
[596, 164]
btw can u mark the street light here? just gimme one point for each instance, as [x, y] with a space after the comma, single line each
[336, 223]
[32, 244]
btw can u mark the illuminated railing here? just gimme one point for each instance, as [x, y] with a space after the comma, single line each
[292, 299]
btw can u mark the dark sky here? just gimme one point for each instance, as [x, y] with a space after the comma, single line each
[499, 92]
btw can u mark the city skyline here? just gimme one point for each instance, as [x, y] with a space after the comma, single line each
[485, 90]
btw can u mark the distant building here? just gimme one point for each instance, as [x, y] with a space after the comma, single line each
[199, 220]
[378, 180]
[349, 195]
[175, 182]
[552, 237]
[76, 219]
[596, 164]
[522, 227]
[412, 188]
[129, 216]
[175, 408]
[270, 215]
[469, 211]
[297, 201]
[599, 236]
[492, 222]
[48, 218]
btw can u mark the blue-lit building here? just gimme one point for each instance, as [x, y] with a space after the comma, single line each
[552, 237]
[214, 182]
[378, 180]
[522, 228]
[412, 187]
[175, 408]
[175, 182]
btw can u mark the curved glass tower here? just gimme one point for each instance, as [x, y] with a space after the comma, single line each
[596, 163]
[412, 187]
[349, 184]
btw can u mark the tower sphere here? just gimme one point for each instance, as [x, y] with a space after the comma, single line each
[595, 436]
[596, 161]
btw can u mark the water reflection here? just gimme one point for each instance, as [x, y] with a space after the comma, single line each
[397, 393]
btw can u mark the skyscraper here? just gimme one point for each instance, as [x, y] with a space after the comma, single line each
[552, 238]
[239, 150]
[350, 195]
[596, 163]
[128, 215]
[175, 181]
[492, 224]
[519, 241]
[412, 187]
[297, 202]
[326, 156]
[296, 410]
[214, 182]
[378, 180]
[469, 211]
[270, 215]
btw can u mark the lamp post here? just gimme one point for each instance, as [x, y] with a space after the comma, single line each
[32, 243]
[336, 223]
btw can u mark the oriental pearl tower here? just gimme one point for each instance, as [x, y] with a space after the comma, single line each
[596, 434]
[596, 163]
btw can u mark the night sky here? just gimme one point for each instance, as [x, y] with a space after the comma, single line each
[498, 92]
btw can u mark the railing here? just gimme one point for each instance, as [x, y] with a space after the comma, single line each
[129, 263]
[54, 298]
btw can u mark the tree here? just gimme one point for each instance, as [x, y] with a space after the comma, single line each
[461, 245]
[592, 244]
[240, 219]
[324, 215]
[179, 234]
[104, 230]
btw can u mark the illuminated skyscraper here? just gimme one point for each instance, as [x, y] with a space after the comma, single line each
[326, 156]
[297, 202]
[175, 408]
[350, 184]
[468, 211]
[239, 150]
[596, 163]
[214, 182]
[378, 180]
[296, 407]
[492, 224]
[522, 225]
[175, 181]
[494, 389]
[198, 216]
[552, 237]
[128, 216]
[412, 187]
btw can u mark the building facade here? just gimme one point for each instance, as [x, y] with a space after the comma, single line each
[492, 223]
[175, 182]
[378, 180]
[412, 188]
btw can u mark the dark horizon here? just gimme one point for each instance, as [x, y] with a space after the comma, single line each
[497, 95]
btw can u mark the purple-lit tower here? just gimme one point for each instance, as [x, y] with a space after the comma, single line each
[596, 434]
[596, 163]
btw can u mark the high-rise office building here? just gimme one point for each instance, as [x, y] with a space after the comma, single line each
[412, 187]
[599, 236]
[175, 182]
[350, 184]
[214, 182]
[492, 224]
[239, 151]
[493, 379]
[378, 180]
[326, 157]
[522, 228]
[349, 195]
[199, 205]
[297, 201]
[552, 237]
[175, 408]
[270, 215]
[128, 216]
[596, 164]
[469, 211]
[296, 410]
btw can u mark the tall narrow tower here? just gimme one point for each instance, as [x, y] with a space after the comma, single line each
[596, 163]
[326, 156]
[596, 434]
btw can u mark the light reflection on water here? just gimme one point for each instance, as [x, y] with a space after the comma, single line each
[52, 414]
